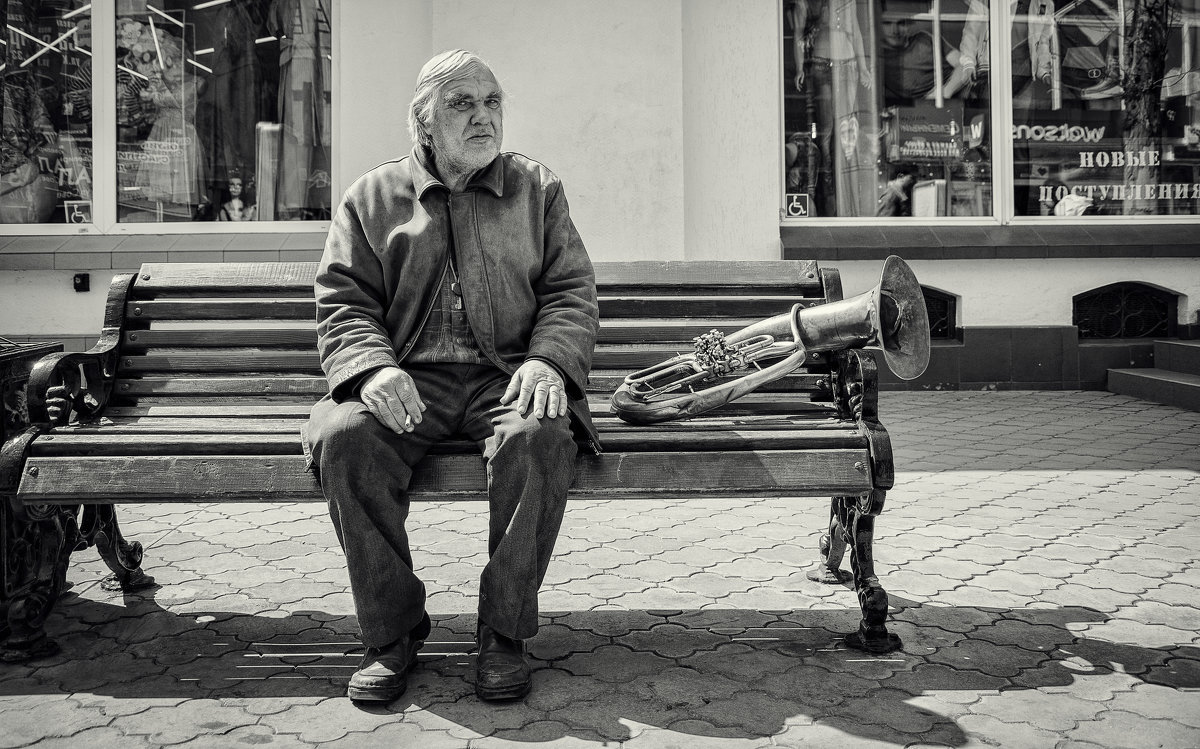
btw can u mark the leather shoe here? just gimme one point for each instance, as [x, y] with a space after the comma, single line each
[382, 676]
[501, 672]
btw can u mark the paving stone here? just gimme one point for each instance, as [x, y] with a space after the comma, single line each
[1181, 617]
[29, 718]
[1070, 594]
[740, 662]
[948, 683]
[544, 734]
[711, 585]
[1159, 702]
[994, 660]
[692, 735]
[193, 718]
[998, 733]
[614, 663]
[1052, 712]
[1148, 635]
[1119, 729]
[328, 720]
[558, 640]
[671, 640]
[93, 738]
[248, 736]
[1180, 673]
[1040, 638]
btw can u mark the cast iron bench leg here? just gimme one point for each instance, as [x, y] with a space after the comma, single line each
[857, 516]
[100, 529]
[833, 548]
[39, 541]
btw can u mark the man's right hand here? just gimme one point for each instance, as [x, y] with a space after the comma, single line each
[391, 396]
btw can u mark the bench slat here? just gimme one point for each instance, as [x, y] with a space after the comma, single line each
[225, 309]
[288, 443]
[754, 403]
[659, 331]
[628, 357]
[274, 277]
[611, 307]
[283, 478]
[606, 424]
[599, 381]
[663, 274]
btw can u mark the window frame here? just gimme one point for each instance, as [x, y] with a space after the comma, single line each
[104, 160]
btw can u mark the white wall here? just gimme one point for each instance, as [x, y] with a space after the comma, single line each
[731, 152]
[34, 302]
[1025, 292]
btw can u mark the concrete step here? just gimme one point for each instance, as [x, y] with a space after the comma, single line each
[1178, 356]
[1179, 389]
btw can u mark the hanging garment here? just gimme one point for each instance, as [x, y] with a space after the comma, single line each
[302, 188]
[234, 98]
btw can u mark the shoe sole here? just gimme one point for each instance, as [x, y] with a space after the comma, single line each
[515, 692]
[361, 694]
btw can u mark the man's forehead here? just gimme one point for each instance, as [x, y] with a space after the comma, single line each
[481, 82]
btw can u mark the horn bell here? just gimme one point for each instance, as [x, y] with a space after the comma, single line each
[890, 317]
[903, 320]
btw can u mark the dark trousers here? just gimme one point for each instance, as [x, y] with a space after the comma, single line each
[364, 470]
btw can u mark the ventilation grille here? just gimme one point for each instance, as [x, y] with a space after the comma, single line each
[1125, 310]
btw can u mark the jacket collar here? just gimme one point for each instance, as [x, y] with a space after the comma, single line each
[490, 178]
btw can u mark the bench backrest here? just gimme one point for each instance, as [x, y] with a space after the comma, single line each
[245, 332]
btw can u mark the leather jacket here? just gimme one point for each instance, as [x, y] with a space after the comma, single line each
[528, 287]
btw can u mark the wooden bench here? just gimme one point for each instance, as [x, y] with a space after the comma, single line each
[204, 373]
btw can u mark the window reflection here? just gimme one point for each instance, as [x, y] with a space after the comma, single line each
[223, 110]
[46, 120]
[1105, 110]
[886, 108]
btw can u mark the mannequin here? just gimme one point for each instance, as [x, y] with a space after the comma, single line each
[172, 172]
[237, 208]
[831, 66]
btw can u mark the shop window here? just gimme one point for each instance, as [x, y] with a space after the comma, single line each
[1093, 133]
[1125, 310]
[223, 110]
[46, 147]
[942, 311]
[886, 108]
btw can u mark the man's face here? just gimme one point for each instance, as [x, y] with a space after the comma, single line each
[895, 33]
[467, 126]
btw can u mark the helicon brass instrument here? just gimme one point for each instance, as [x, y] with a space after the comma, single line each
[890, 317]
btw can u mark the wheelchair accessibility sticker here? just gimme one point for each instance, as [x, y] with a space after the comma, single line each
[797, 205]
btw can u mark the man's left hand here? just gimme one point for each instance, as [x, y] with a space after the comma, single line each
[538, 385]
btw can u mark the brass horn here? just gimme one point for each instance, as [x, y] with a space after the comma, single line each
[890, 317]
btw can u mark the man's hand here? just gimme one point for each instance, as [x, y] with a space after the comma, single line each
[391, 396]
[539, 385]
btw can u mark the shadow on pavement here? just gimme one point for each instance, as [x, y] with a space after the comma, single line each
[600, 674]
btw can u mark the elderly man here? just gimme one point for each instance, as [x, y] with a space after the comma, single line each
[454, 300]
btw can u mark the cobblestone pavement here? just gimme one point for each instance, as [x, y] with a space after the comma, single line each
[1041, 550]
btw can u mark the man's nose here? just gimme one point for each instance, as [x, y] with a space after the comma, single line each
[479, 113]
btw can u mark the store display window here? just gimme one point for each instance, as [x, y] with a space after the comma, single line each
[223, 110]
[886, 108]
[46, 121]
[1106, 107]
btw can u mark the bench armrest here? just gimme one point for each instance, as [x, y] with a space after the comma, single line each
[855, 380]
[80, 382]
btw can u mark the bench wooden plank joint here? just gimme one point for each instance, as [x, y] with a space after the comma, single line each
[203, 374]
